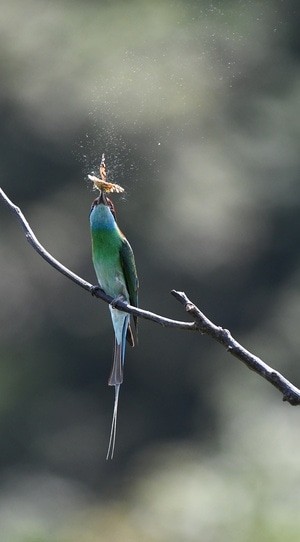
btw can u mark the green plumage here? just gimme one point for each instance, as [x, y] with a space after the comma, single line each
[115, 268]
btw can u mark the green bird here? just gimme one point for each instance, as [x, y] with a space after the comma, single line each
[115, 268]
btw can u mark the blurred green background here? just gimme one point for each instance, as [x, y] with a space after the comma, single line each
[196, 105]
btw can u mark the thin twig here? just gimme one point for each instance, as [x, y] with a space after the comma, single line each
[200, 323]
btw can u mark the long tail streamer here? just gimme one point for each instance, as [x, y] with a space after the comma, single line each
[113, 431]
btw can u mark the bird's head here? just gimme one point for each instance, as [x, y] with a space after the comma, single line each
[102, 199]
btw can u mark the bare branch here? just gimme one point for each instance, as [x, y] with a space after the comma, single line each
[200, 323]
[290, 393]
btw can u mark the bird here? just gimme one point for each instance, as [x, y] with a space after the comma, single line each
[115, 268]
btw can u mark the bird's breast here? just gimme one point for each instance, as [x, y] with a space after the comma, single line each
[107, 263]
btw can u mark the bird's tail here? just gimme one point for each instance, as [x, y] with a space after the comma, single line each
[116, 379]
[113, 431]
[116, 375]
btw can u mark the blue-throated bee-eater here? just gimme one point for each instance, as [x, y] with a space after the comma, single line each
[115, 268]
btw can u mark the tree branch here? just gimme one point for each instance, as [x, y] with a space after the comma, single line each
[94, 290]
[290, 393]
[200, 323]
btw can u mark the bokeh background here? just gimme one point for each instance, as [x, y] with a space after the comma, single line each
[196, 105]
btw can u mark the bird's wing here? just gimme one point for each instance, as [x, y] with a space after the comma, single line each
[130, 273]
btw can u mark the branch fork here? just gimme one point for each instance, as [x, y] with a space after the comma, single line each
[200, 323]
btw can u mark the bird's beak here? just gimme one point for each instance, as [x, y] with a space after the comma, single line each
[102, 198]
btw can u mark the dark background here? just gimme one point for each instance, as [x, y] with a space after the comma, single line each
[196, 105]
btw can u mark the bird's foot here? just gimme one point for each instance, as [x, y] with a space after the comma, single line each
[95, 289]
[114, 302]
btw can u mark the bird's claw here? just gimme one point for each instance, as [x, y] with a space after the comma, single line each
[95, 289]
[114, 302]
